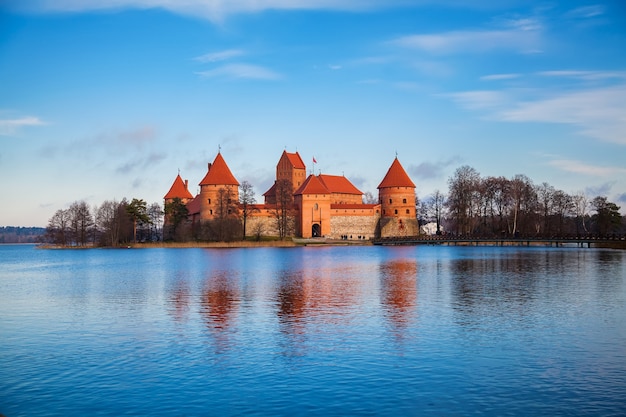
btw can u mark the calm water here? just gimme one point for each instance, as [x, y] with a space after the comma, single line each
[313, 331]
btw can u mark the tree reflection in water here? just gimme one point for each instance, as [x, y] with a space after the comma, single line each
[219, 306]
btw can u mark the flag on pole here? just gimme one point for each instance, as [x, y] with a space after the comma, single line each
[314, 161]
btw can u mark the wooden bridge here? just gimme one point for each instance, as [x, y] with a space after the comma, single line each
[612, 241]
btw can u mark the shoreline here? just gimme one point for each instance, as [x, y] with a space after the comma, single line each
[291, 243]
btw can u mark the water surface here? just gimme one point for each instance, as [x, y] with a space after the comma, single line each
[313, 331]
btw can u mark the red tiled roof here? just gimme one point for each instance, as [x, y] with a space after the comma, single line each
[193, 207]
[312, 185]
[339, 184]
[178, 190]
[396, 177]
[271, 191]
[219, 173]
[295, 160]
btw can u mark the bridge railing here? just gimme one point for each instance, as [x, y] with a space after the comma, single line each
[458, 238]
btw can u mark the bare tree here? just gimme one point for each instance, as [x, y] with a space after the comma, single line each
[368, 198]
[155, 213]
[545, 199]
[563, 205]
[523, 197]
[246, 200]
[283, 212]
[437, 202]
[109, 222]
[81, 222]
[581, 204]
[463, 198]
[258, 230]
[58, 227]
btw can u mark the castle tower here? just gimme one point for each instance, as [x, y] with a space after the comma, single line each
[179, 189]
[289, 167]
[219, 190]
[396, 194]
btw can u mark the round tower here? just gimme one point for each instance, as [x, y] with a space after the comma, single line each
[219, 191]
[396, 194]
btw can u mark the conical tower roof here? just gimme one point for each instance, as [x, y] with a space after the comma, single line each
[396, 177]
[219, 173]
[178, 190]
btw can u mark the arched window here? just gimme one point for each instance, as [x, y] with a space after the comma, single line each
[404, 200]
[396, 211]
[390, 201]
[407, 211]
[209, 201]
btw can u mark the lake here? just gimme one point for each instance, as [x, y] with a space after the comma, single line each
[386, 331]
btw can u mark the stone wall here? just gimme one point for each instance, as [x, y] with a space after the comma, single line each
[353, 226]
[265, 224]
[398, 227]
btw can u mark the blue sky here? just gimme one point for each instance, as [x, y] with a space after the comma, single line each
[104, 99]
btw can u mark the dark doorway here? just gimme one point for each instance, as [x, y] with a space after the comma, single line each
[316, 230]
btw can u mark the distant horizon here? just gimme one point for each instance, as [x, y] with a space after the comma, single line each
[102, 102]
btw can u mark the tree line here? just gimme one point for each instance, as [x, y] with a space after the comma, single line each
[12, 234]
[112, 223]
[499, 206]
[115, 223]
[473, 206]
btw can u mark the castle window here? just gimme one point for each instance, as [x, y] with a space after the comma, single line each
[211, 212]
[404, 200]
[209, 201]
[407, 211]
[229, 211]
[395, 211]
[390, 201]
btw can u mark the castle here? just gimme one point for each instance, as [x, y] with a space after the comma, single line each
[318, 205]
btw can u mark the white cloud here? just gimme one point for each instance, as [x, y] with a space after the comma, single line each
[599, 113]
[586, 75]
[496, 77]
[479, 99]
[241, 71]
[11, 126]
[596, 106]
[211, 9]
[520, 39]
[586, 12]
[579, 167]
[220, 56]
